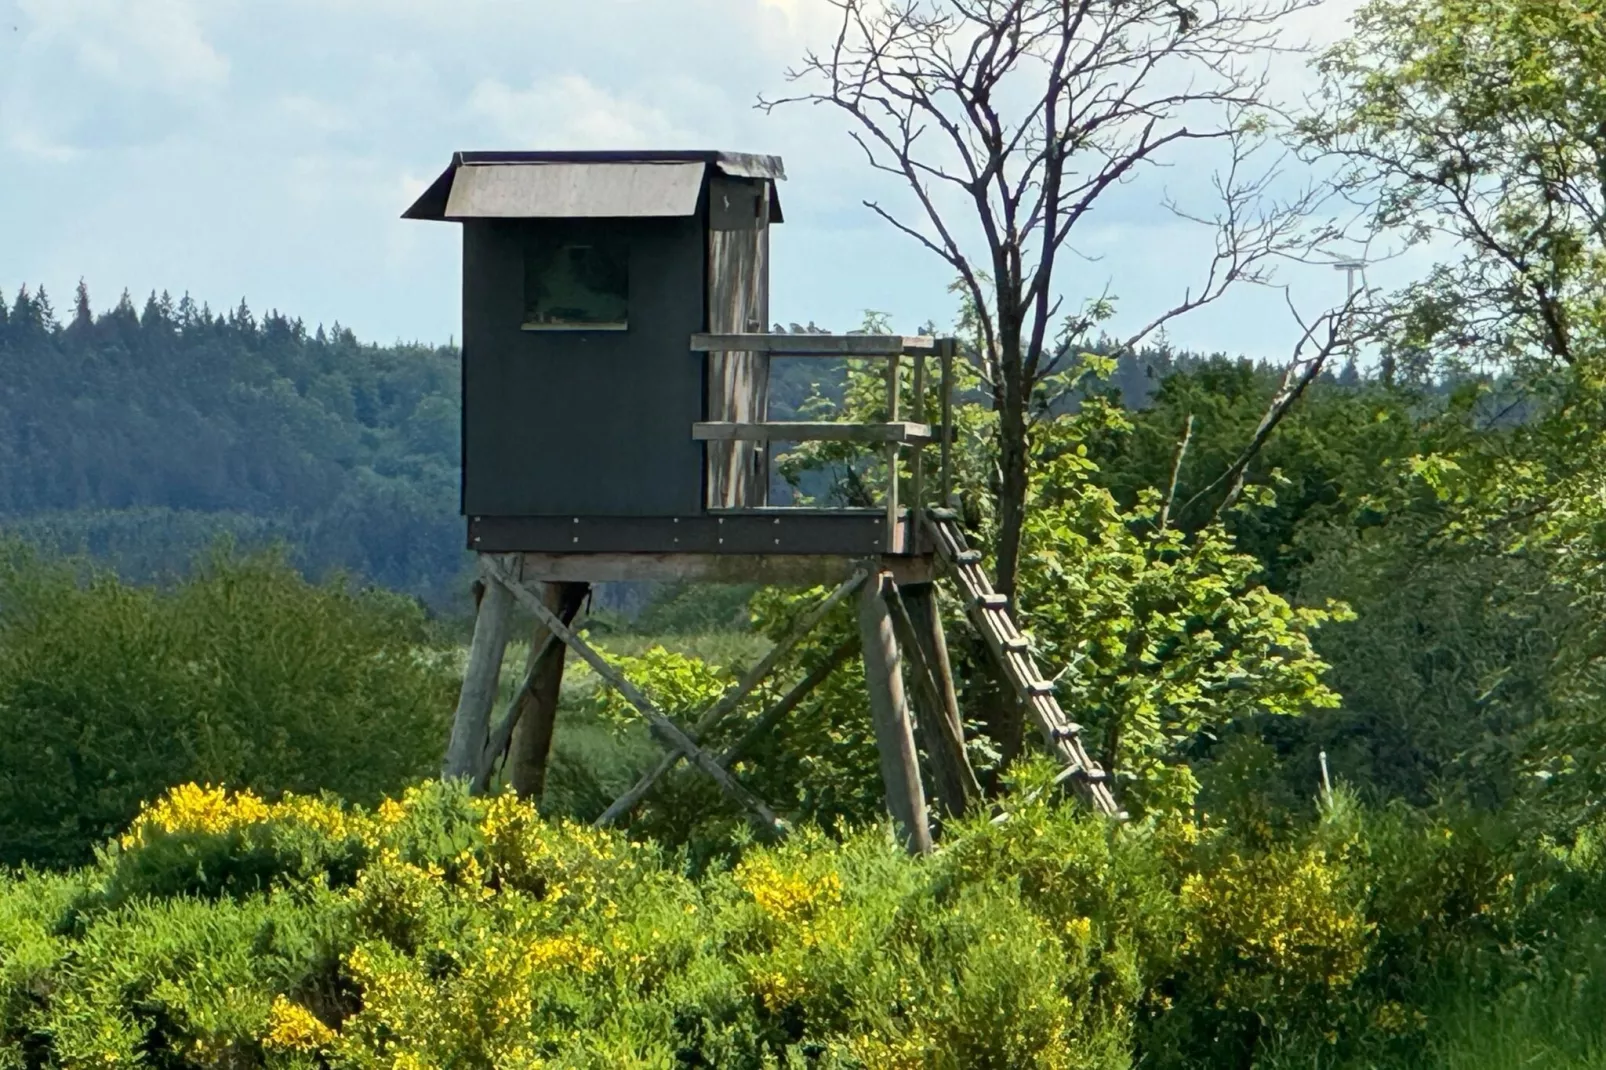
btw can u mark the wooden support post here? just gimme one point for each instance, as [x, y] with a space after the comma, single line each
[921, 601]
[733, 696]
[941, 731]
[663, 729]
[481, 679]
[536, 709]
[889, 713]
[502, 734]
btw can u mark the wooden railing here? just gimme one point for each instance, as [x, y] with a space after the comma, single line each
[895, 434]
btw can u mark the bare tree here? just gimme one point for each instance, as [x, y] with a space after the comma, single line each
[1010, 121]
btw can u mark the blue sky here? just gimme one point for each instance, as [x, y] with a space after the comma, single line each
[266, 148]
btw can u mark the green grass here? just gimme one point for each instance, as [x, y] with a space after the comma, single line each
[1555, 1026]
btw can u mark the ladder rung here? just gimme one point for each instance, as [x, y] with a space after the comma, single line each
[990, 601]
[1040, 687]
[1068, 731]
[967, 557]
[1076, 772]
[1015, 642]
[944, 514]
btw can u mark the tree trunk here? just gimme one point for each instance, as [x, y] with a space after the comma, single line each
[1013, 463]
[538, 710]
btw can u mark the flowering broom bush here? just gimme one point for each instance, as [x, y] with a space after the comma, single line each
[440, 930]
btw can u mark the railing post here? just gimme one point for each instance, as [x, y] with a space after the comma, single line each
[946, 349]
[917, 464]
[892, 456]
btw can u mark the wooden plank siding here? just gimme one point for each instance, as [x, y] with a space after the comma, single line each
[738, 300]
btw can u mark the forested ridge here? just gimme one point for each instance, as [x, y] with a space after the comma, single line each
[140, 435]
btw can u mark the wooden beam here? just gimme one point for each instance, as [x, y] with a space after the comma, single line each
[889, 713]
[765, 722]
[666, 731]
[481, 679]
[815, 345]
[734, 695]
[803, 431]
[946, 352]
[921, 601]
[938, 720]
[776, 570]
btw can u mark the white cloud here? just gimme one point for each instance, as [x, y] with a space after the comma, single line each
[143, 44]
[570, 112]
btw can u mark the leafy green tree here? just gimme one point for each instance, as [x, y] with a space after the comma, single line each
[1479, 123]
[242, 675]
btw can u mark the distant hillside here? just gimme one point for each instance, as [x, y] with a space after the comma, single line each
[141, 435]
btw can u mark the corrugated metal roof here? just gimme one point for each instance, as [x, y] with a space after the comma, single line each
[574, 190]
[537, 184]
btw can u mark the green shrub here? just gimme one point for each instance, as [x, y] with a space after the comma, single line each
[242, 674]
[443, 930]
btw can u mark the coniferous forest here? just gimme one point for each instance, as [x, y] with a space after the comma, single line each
[142, 434]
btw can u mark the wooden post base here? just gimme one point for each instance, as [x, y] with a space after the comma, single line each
[889, 711]
[537, 708]
[481, 678]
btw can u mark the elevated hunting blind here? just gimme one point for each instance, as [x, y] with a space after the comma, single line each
[615, 427]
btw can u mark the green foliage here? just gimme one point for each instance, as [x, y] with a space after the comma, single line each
[441, 930]
[695, 609]
[243, 674]
[1323, 461]
[1161, 637]
[1479, 121]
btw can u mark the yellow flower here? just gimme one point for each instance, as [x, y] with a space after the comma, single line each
[391, 812]
[291, 1027]
[196, 808]
[785, 896]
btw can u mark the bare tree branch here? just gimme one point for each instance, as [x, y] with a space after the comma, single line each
[1299, 374]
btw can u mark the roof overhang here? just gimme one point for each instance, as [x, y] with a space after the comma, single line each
[547, 185]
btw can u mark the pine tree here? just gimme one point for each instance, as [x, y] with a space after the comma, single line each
[188, 315]
[44, 313]
[1350, 375]
[82, 316]
[5, 314]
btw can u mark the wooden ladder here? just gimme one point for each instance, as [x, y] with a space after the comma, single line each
[989, 612]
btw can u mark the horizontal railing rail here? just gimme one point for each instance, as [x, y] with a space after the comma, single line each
[817, 345]
[894, 434]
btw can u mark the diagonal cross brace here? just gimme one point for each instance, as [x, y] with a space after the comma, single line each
[663, 728]
[734, 695]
